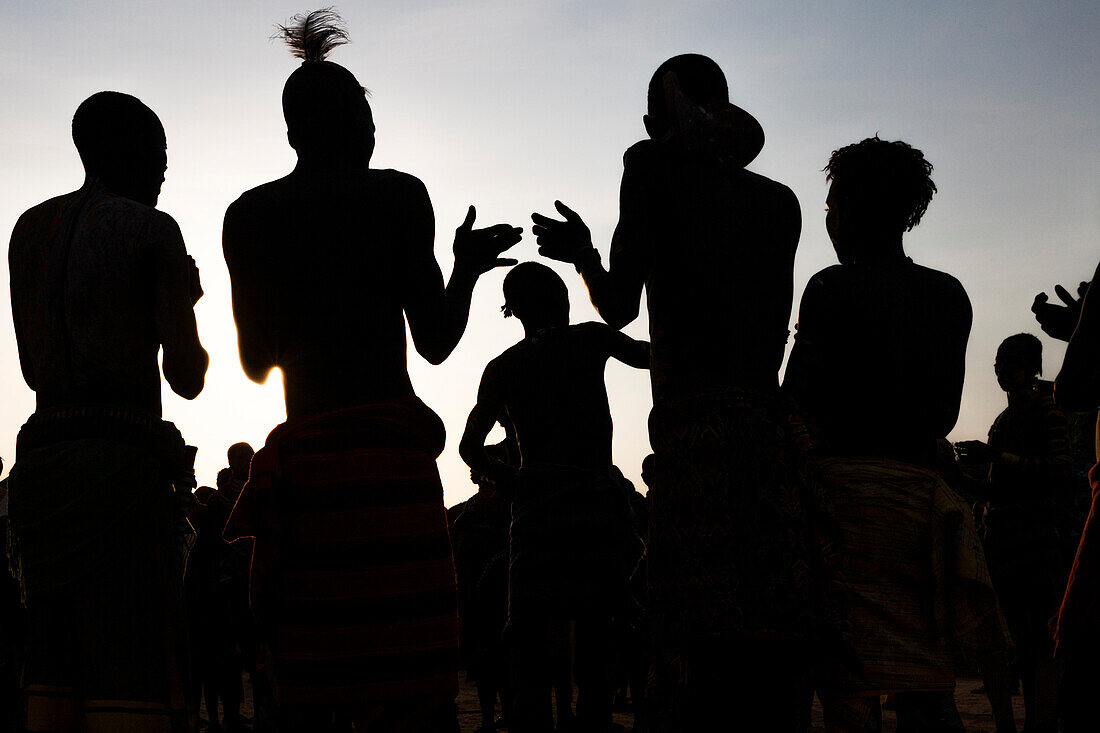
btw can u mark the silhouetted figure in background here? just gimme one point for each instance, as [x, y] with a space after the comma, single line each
[479, 533]
[1029, 467]
[571, 545]
[1077, 640]
[352, 578]
[100, 282]
[906, 328]
[233, 478]
[13, 629]
[713, 245]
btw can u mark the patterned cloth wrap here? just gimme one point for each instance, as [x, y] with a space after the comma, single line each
[99, 544]
[740, 532]
[572, 544]
[352, 575]
[918, 591]
[1076, 621]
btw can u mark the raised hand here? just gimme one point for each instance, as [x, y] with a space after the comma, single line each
[973, 452]
[1058, 321]
[563, 241]
[478, 250]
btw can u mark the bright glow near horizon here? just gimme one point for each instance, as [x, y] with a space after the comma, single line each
[511, 105]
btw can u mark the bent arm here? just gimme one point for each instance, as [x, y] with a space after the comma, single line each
[185, 360]
[629, 351]
[950, 379]
[481, 420]
[1077, 386]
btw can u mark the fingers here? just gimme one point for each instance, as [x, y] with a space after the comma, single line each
[569, 214]
[498, 229]
[1064, 295]
[1040, 301]
[507, 240]
[544, 221]
[504, 262]
[468, 222]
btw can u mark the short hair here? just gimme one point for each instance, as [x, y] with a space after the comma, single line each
[1022, 349]
[107, 124]
[531, 288]
[700, 78]
[892, 174]
[242, 451]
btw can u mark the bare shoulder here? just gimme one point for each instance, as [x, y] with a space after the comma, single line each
[765, 190]
[944, 285]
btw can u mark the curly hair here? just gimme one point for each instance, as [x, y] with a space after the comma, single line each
[891, 174]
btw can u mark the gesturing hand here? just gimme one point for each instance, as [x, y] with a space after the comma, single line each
[478, 250]
[565, 240]
[1058, 321]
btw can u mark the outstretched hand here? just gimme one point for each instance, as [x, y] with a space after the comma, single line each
[563, 241]
[478, 250]
[1058, 321]
[973, 452]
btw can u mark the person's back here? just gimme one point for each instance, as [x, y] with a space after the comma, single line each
[719, 270]
[888, 339]
[84, 292]
[327, 278]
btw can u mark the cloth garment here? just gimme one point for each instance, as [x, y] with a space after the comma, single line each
[352, 576]
[572, 544]
[918, 591]
[98, 543]
[1082, 596]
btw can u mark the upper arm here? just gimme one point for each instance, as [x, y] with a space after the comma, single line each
[618, 345]
[174, 315]
[250, 312]
[631, 245]
[952, 373]
[26, 364]
[422, 280]
[485, 414]
[806, 355]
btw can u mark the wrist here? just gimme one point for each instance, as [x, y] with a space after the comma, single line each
[586, 256]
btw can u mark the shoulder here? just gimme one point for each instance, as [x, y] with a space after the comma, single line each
[259, 198]
[766, 187]
[946, 286]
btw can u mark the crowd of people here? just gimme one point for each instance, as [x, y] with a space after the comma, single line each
[813, 535]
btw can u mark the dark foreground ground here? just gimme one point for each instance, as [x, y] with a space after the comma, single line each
[974, 710]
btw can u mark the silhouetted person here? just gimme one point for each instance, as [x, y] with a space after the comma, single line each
[480, 536]
[570, 542]
[100, 282]
[713, 245]
[1029, 467]
[12, 629]
[1077, 641]
[877, 365]
[233, 478]
[352, 579]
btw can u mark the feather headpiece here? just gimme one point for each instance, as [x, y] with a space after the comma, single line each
[312, 36]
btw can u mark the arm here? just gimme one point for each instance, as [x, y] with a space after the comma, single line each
[804, 367]
[953, 368]
[437, 316]
[1052, 462]
[25, 363]
[1078, 384]
[619, 346]
[490, 404]
[255, 330]
[175, 292]
[616, 292]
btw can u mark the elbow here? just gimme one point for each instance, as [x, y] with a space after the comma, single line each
[617, 317]
[188, 380]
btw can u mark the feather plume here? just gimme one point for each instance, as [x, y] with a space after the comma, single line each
[312, 36]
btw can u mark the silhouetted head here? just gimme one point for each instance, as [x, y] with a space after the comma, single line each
[240, 459]
[536, 295]
[701, 81]
[880, 189]
[121, 143]
[1019, 361]
[325, 107]
[649, 468]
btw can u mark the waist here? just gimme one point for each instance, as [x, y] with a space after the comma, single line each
[47, 427]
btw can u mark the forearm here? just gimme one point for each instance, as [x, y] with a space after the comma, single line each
[607, 295]
[455, 314]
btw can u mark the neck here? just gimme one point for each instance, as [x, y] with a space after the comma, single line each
[1019, 394]
[331, 160]
[880, 247]
[532, 329]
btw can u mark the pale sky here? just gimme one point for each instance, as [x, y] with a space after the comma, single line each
[509, 105]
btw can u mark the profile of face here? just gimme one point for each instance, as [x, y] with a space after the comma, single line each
[836, 217]
[142, 176]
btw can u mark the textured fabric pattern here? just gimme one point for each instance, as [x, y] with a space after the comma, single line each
[739, 529]
[918, 589]
[97, 528]
[352, 574]
[1081, 601]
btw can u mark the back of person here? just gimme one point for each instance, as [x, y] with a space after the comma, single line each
[90, 258]
[720, 279]
[556, 399]
[884, 348]
[330, 266]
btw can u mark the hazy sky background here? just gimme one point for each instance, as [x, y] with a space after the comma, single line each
[509, 105]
